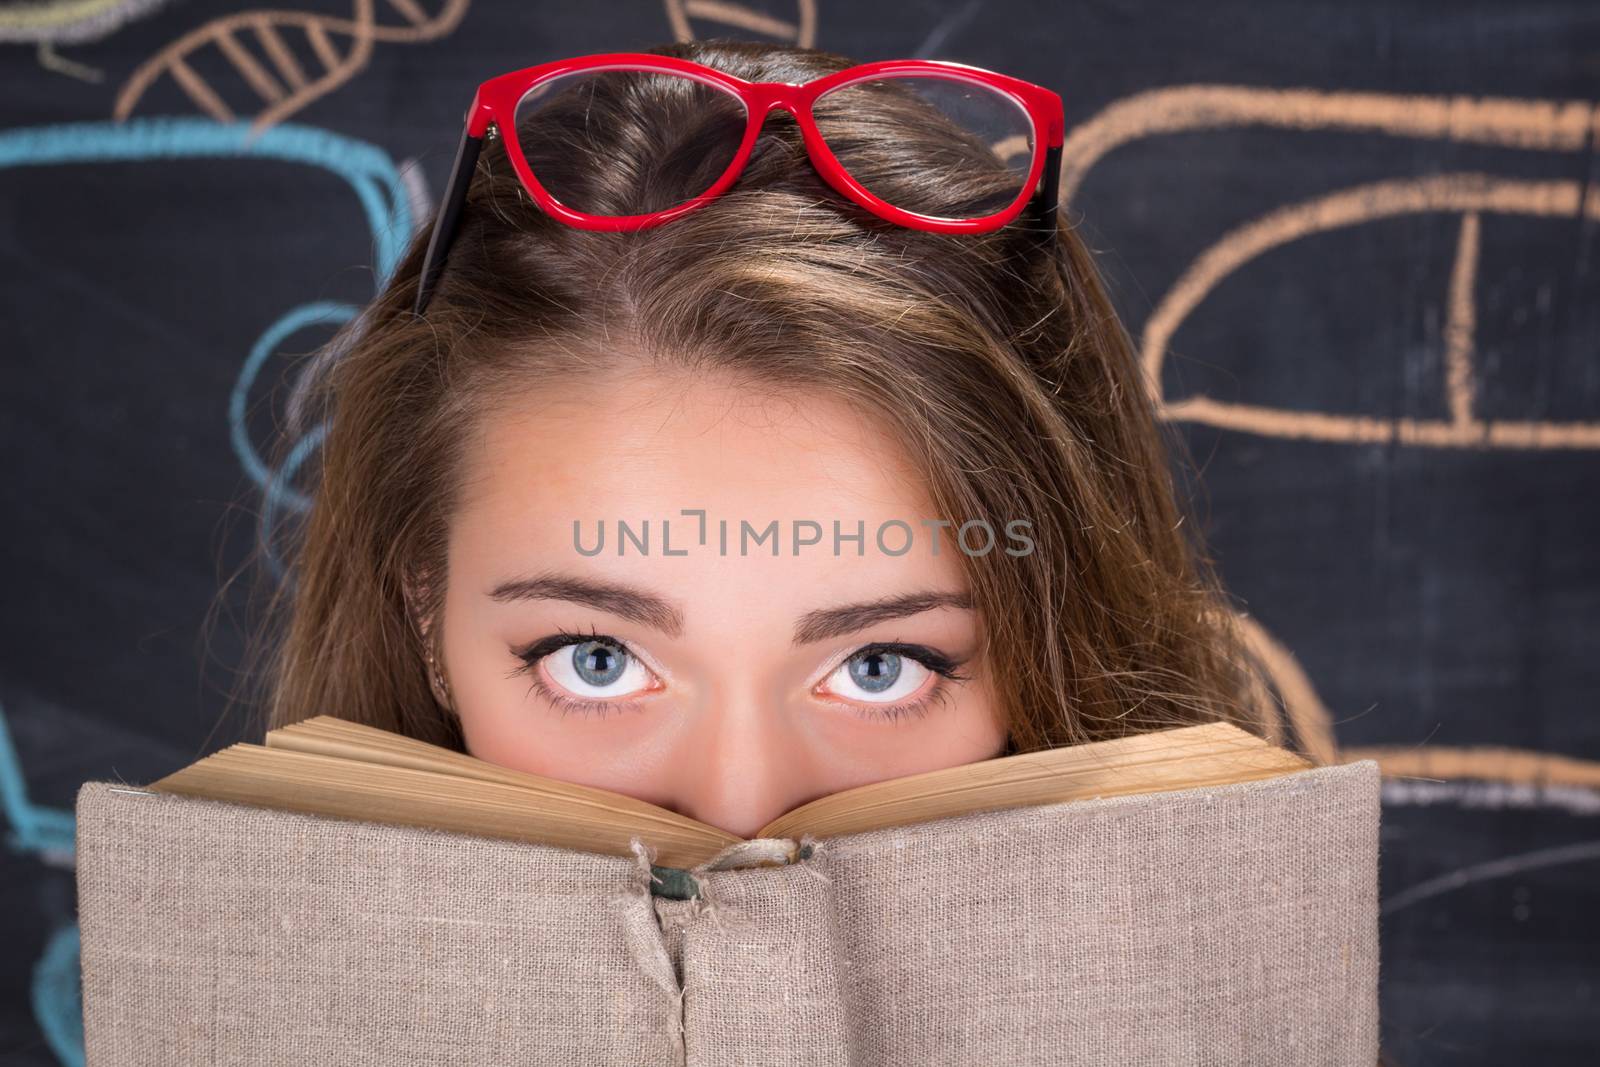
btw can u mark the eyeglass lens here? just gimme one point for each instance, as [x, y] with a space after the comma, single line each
[935, 145]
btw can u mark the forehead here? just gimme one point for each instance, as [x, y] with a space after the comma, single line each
[636, 446]
[638, 439]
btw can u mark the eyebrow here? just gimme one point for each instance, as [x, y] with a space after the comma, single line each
[648, 609]
[628, 601]
[848, 618]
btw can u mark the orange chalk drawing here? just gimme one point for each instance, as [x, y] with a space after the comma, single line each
[745, 18]
[280, 83]
[1530, 125]
[1534, 125]
[1471, 195]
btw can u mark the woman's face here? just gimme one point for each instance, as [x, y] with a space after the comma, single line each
[729, 687]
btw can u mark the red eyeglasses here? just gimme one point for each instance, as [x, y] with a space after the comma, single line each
[987, 140]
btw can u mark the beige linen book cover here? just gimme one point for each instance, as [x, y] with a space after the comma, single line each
[1232, 922]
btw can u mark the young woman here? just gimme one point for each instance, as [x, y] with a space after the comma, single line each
[696, 510]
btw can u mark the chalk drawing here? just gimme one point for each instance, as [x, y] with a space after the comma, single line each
[945, 28]
[1312, 723]
[51, 834]
[385, 203]
[722, 17]
[1471, 196]
[1489, 762]
[418, 194]
[1583, 852]
[1548, 125]
[342, 47]
[46, 832]
[54, 22]
[368, 171]
[1571, 799]
[57, 995]
[1532, 125]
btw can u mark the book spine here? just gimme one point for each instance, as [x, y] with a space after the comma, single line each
[679, 883]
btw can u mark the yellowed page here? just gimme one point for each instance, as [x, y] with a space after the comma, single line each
[1215, 753]
[328, 736]
[327, 785]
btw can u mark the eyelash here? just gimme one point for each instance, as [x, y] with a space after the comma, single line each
[938, 662]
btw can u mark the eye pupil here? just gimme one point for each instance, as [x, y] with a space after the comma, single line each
[875, 671]
[598, 663]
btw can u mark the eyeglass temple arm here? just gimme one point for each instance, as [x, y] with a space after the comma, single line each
[449, 215]
[1049, 195]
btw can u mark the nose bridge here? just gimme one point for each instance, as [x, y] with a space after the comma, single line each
[739, 768]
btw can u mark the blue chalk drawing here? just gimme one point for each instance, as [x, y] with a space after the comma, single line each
[260, 352]
[34, 828]
[382, 198]
[369, 172]
[277, 486]
[58, 996]
[50, 833]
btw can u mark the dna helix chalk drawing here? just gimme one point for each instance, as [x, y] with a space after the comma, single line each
[280, 83]
[290, 84]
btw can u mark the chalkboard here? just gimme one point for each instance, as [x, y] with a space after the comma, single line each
[1358, 245]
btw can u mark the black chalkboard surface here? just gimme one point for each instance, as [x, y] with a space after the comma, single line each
[1358, 245]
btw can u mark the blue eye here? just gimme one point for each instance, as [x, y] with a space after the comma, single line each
[874, 672]
[599, 663]
[878, 674]
[592, 667]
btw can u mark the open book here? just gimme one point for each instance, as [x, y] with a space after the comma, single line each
[343, 895]
[329, 766]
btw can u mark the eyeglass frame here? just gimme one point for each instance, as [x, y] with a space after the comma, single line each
[496, 101]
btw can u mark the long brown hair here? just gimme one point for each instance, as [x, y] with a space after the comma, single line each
[997, 358]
